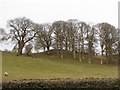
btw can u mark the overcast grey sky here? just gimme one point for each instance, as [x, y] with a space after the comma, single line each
[42, 11]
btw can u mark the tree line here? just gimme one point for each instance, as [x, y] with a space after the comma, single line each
[72, 35]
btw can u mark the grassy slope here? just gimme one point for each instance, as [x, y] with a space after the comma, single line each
[21, 67]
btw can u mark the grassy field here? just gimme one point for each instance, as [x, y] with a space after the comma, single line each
[46, 67]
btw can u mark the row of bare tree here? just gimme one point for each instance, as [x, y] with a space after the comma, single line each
[73, 35]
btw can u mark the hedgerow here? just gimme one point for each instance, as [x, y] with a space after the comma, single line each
[62, 83]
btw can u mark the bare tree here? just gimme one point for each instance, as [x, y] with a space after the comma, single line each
[79, 41]
[3, 35]
[83, 27]
[22, 30]
[44, 37]
[108, 37]
[59, 28]
[91, 39]
[66, 35]
[73, 26]
[39, 45]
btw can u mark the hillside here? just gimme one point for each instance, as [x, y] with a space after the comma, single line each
[43, 66]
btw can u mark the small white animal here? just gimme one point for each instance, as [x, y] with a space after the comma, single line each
[6, 74]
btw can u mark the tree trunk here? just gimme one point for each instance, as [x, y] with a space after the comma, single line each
[80, 57]
[79, 52]
[61, 55]
[73, 48]
[74, 54]
[107, 56]
[66, 46]
[48, 48]
[110, 57]
[89, 60]
[101, 62]
[82, 48]
[69, 46]
[90, 52]
[20, 47]
[90, 55]
[57, 48]
[19, 51]
[102, 49]
[44, 49]
[61, 52]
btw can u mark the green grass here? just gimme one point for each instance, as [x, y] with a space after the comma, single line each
[48, 66]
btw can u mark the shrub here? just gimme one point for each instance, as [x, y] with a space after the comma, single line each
[62, 83]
